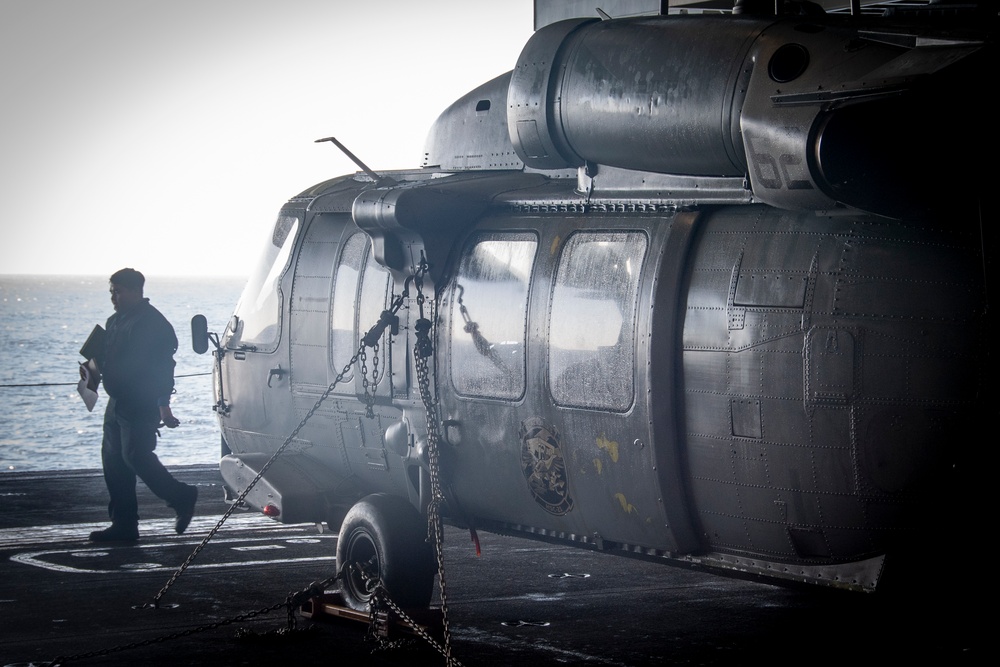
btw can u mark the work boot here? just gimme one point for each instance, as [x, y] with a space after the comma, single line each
[185, 510]
[116, 533]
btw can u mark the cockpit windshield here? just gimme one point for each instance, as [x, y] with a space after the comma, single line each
[258, 313]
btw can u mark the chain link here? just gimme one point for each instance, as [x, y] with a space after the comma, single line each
[423, 350]
[369, 399]
[380, 596]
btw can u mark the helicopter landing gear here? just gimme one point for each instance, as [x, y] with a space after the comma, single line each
[386, 537]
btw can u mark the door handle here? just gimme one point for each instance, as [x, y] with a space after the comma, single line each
[277, 372]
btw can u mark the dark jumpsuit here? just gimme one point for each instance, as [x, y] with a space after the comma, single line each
[137, 370]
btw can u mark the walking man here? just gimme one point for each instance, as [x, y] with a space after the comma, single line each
[137, 369]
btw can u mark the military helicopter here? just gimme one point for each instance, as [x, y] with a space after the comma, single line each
[700, 287]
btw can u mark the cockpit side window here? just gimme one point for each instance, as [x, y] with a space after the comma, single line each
[361, 291]
[592, 320]
[489, 316]
[258, 314]
[343, 342]
[375, 295]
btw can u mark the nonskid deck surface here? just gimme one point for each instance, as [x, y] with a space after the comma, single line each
[521, 602]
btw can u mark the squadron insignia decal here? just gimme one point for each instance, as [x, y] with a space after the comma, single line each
[544, 467]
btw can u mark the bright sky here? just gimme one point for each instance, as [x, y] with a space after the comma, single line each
[166, 134]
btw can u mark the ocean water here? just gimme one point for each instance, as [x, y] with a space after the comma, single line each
[43, 322]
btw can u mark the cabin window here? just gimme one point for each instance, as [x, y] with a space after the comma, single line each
[258, 312]
[592, 320]
[489, 316]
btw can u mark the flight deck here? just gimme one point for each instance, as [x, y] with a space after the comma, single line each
[520, 602]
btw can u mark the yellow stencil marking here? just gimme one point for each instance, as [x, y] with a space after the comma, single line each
[610, 445]
[555, 245]
[626, 505]
[598, 465]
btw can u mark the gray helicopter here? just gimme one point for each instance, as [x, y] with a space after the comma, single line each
[707, 288]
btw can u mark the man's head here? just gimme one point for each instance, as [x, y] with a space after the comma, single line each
[126, 288]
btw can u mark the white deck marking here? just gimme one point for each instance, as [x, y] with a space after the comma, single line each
[260, 547]
[158, 535]
[32, 558]
[159, 529]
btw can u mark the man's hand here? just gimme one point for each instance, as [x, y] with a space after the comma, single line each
[90, 367]
[167, 417]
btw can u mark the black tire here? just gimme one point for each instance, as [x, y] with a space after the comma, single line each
[386, 535]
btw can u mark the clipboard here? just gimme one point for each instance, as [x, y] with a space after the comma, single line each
[94, 344]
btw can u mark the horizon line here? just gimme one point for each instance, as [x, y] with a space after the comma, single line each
[6, 274]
